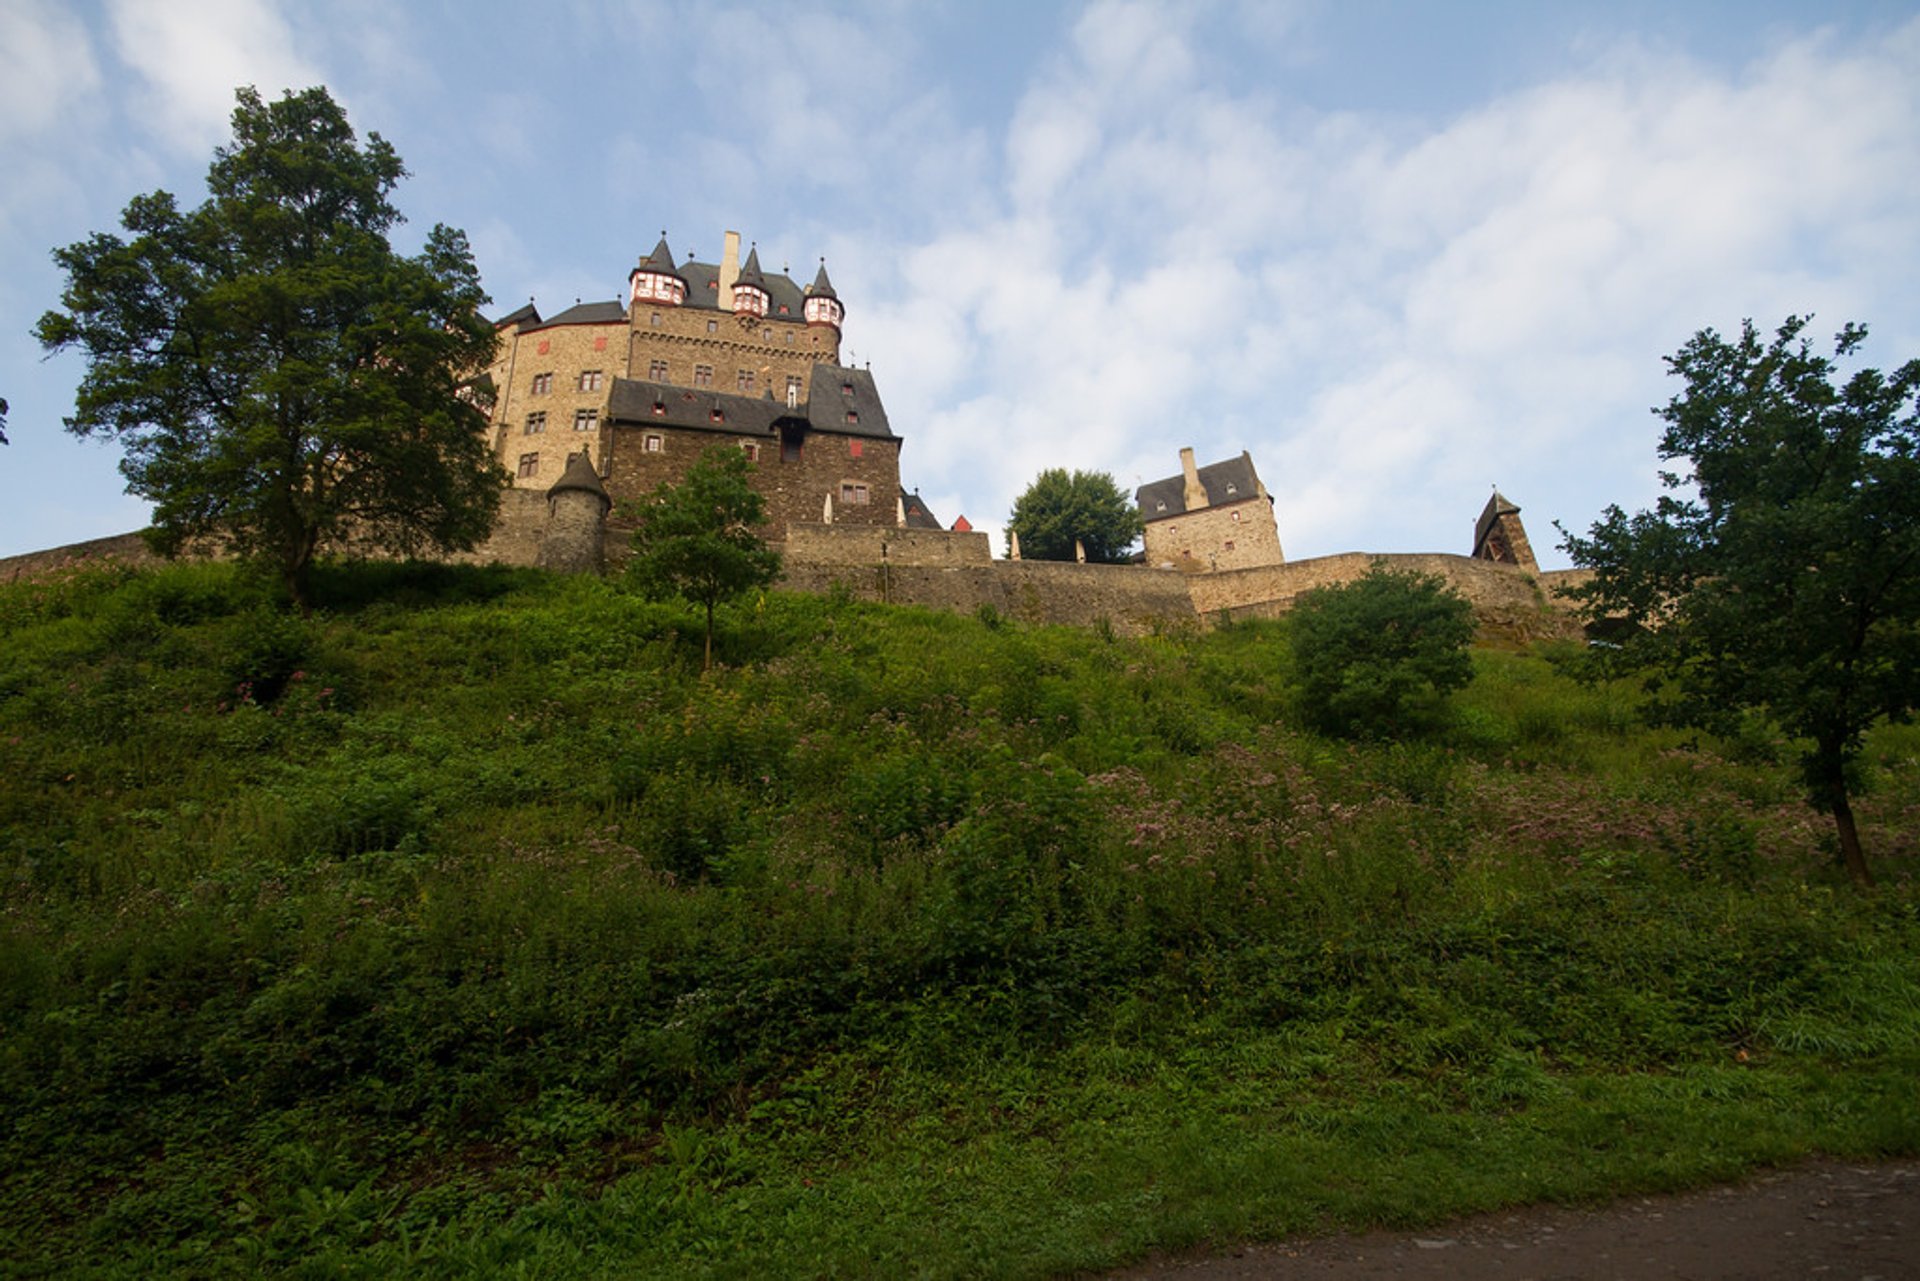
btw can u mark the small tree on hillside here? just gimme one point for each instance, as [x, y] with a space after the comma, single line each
[696, 540]
[1379, 654]
[277, 374]
[1086, 505]
[1789, 584]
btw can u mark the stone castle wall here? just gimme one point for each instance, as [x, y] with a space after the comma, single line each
[559, 355]
[954, 571]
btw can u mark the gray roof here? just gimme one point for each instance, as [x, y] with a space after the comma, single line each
[787, 298]
[918, 517]
[835, 393]
[660, 260]
[821, 286]
[1230, 481]
[526, 314]
[1496, 507]
[583, 313]
[581, 476]
[750, 273]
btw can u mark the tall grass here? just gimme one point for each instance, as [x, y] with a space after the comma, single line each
[467, 926]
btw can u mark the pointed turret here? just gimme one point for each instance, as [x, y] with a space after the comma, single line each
[656, 280]
[1499, 536]
[750, 287]
[823, 305]
[577, 505]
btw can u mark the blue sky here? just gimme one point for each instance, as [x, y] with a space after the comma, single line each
[1402, 253]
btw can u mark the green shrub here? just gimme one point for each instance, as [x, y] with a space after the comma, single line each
[1378, 656]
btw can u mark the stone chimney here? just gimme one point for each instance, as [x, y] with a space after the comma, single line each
[729, 270]
[1195, 496]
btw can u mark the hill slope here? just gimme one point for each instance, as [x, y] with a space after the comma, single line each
[466, 926]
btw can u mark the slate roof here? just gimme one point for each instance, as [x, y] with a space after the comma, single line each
[1496, 507]
[835, 393]
[821, 286]
[527, 314]
[583, 313]
[918, 517]
[1230, 481]
[581, 476]
[660, 261]
[786, 298]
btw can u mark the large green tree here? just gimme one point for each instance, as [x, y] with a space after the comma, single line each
[697, 540]
[1060, 507]
[1378, 656]
[1782, 577]
[278, 376]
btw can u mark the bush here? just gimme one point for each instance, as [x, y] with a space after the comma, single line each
[1378, 656]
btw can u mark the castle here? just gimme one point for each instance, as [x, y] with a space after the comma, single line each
[699, 354]
[605, 401]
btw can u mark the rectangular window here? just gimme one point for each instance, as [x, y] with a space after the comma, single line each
[529, 466]
[590, 380]
[853, 446]
[542, 384]
[586, 419]
[790, 449]
[793, 390]
[852, 417]
[1229, 546]
[715, 416]
[766, 335]
[536, 422]
[703, 375]
[657, 371]
[654, 320]
[751, 450]
[853, 493]
[713, 326]
[744, 380]
[655, 444]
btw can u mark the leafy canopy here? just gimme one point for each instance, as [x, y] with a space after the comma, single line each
[1379, 655]
[277, 375]
[1059, 507]
[1782, 577]
[696, 540]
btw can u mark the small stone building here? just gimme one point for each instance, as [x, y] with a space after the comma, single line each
[1210, 518]
[1500, 537]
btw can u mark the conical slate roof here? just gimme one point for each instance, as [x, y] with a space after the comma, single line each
[750, 272]
[661, 260]
[580, 476]
[821, 286]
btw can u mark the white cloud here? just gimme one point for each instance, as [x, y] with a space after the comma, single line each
[1391, 318]
[47, 68]
[193, 54]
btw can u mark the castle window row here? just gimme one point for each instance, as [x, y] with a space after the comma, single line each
[590, 380]
[542, 384]
[586, 419]
[536, 422]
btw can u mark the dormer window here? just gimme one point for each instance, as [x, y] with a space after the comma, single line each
[1232, 490]
[659, 409]
[1159, 507]
[714, 415]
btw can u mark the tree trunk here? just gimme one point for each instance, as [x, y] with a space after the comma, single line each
[1851, 854]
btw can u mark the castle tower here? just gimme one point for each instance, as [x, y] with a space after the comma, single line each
[577, 506]
[823, 305]
[1499, 536]
[750, 297]
[655, 280]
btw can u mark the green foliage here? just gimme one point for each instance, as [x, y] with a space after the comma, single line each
[1376, 657]
[1060, 507]
[279, 377]
[503, 939]
[699, 539]
[1788, 585]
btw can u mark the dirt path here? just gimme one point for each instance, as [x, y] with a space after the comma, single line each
[1828, 1219]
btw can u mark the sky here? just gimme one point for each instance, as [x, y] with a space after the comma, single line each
[1402, 253]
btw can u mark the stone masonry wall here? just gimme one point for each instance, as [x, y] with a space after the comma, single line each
[561, 356]
[796, 491]
[1133, 599]
[767, 349]
[898, 545]
[1219, 538]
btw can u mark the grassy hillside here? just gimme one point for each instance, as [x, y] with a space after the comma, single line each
[466, 929]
